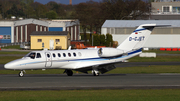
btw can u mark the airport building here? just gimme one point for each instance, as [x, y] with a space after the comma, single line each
[20, 30]
[50, 40]
[167, 37]
[72, 26]
[7, 31]
[23, 29]
[165, 10]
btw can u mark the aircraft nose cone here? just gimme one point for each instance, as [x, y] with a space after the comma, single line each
[7, 66]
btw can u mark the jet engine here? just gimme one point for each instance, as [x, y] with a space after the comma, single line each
[109, 52]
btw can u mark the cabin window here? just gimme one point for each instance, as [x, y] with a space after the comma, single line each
[38, 55]
[59, 55]
[79, 53]
[64, 54]
[69, 54]
[48, 55]
[54, 55]
[74, 54]
[39, 40]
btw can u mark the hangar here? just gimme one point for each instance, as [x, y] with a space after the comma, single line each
[23, 29]
[167, 37]
[72, 26]
[7, 30]
[20, 30]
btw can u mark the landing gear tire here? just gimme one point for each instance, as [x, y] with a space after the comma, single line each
[21, 74]
[69, 72]
[95, 74]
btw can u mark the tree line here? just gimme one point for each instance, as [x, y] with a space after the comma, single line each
[90, 14]
[99, 40]
[31, 9]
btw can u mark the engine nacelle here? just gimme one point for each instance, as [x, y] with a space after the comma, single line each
[109, 52]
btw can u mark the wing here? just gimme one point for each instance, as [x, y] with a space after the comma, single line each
[101, 68]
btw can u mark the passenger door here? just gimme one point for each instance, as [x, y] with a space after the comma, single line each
[48, 59]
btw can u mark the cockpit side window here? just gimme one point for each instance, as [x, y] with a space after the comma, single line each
[38, 55]
[32, 55]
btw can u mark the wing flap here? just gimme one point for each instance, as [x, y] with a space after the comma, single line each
[101, 68]
[105, 68]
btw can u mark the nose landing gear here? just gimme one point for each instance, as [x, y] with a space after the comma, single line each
[21, 74]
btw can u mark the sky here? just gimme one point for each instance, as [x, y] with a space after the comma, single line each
[63, 1]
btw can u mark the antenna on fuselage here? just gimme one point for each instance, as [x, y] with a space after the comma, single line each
[69, 48]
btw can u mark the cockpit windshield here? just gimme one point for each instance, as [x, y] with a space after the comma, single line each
[31, 55]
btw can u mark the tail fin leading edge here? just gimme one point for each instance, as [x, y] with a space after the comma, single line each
[138, 38]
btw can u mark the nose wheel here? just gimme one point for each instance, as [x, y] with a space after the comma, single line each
[21, 74]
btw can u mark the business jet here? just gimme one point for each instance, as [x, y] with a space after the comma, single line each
[97, 60]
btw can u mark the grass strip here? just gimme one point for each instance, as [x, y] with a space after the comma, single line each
[92, 95]
[147, 69]
[14, 52]
[12, 47]
[6, 59]
[157, 59]
[163, 52]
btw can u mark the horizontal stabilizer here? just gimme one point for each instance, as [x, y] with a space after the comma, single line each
[155, 26]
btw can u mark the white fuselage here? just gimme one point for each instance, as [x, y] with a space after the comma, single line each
[66, 59]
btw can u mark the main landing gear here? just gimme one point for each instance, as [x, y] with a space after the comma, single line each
[95, 72]
[68, 72]
[21, 74]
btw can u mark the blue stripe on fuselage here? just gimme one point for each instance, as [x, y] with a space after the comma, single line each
[136, 51]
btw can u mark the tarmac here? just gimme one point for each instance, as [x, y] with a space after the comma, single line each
[81, 81]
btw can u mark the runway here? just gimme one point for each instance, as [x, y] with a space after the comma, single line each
[83, 81]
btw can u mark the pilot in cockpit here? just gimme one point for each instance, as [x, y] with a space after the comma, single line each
[32, 55]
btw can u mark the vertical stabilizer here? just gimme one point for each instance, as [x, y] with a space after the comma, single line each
[137, 38]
